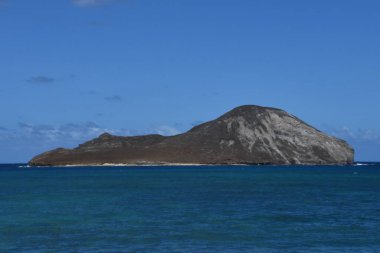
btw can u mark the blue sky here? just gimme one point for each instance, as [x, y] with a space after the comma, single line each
[72, 69]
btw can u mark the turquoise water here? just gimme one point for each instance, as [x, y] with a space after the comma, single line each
[190, 209]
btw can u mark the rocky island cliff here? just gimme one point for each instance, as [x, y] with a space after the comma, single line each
[245, 135]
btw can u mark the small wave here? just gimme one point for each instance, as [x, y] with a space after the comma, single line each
[23, 166]
[364, 164]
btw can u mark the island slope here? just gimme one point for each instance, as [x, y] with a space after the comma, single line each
[245, 135]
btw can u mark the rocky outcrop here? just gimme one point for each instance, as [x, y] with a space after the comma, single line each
[245, 135]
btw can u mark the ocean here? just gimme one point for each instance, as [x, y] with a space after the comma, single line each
[190, 209]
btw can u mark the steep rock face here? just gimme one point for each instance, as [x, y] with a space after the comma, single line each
[245, 135]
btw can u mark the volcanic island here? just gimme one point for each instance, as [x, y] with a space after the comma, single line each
[249, 134]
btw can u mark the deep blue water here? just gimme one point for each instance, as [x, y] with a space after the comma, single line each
[190, 209]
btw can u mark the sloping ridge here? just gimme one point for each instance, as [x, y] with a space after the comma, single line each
[245, 135]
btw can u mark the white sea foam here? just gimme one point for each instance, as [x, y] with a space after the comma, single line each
[139, 164]
[23, 166]
[361, 164]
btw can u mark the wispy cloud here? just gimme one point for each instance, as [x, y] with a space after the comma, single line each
[73, 132]
[92, 92]
[366, 142]
[197, 122]
[353, 135]
[98, 24]
[41, 79]
[167, 130]
[70, 131]
[28, 139]
[113, 98]
[90, 3]
[48, 80]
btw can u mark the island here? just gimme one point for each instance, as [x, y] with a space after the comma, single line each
[248, 134]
